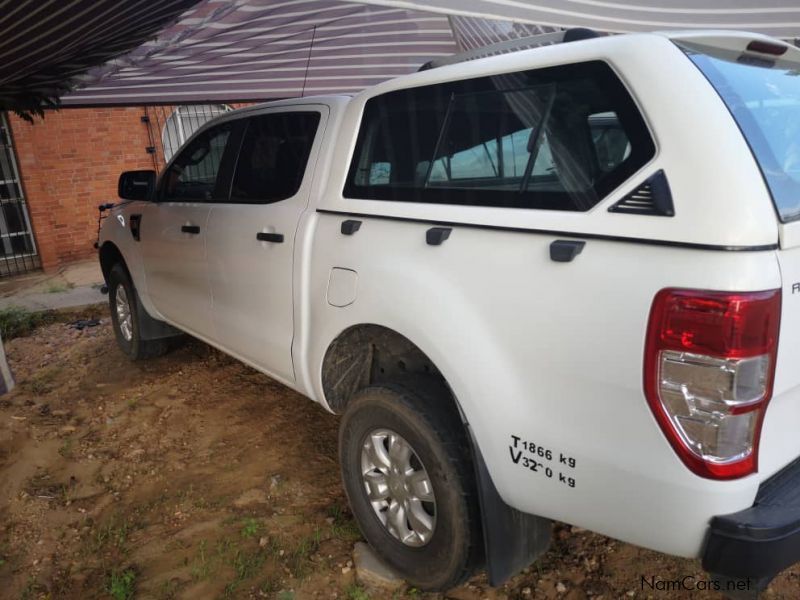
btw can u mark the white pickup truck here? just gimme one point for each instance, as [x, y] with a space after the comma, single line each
[558, 283]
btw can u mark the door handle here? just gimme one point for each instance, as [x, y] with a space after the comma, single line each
[194, 229]
[275, 238]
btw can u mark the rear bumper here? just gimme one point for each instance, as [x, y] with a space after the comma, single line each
[763, 540]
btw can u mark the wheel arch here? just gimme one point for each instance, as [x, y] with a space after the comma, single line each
[111, 255]
[151, 328]
[366, 354]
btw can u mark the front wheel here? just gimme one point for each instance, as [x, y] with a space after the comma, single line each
[408, 475]
[122, 301]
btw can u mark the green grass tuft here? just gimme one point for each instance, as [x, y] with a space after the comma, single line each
[356, 592]
[121, 585]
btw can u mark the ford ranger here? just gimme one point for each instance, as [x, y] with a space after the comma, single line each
[555, 283]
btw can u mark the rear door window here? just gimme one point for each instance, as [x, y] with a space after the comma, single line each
[273, 157]
[763, 95]
[559, 138]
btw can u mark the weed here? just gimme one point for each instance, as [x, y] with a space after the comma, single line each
[58, 286]
[250, 527]
[66, 448]
[168, 590]
[42, 381]
[270, 586]
[121, 585]
[16, 321]
[113, 534]
[201, 567]
[343, 526]
[31, 590]
[356, 592]
[285, 595]
[245, 564]
[300, 556]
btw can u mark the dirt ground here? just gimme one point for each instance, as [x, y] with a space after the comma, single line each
[193, 476]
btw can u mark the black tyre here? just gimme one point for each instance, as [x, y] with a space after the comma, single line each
[123, 301]
[409, 448]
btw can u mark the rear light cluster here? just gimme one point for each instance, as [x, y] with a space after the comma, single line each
[709, 367]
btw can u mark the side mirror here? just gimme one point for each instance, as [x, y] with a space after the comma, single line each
[137, 185]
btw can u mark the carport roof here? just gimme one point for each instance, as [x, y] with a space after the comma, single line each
[229, 50]
[45, 44]
[225, 51]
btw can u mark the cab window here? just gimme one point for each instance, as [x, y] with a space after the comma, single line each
[273, 157]
[193, 175]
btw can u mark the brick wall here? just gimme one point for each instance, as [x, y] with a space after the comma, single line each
[69, 163]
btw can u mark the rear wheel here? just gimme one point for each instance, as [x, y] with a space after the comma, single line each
[408, 475]
[123, 300]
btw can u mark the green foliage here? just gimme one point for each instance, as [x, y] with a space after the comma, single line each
[356, 592]
[201, 566]
[16, 321]
[57, 287]
[250, 527]
[122, 585]
[343, 526]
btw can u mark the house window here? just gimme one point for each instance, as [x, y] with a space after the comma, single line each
[17, 247]
[184, 121]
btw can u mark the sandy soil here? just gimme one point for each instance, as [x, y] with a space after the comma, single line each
[193, 476]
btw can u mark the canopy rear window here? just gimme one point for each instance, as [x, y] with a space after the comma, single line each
[763, 95]
[558, 138]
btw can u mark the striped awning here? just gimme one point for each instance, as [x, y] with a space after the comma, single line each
[239, 50]
[778, 18]
[225, 51]
[45, 44]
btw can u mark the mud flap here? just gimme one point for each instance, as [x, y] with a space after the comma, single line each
[153, 329]
[512, 539]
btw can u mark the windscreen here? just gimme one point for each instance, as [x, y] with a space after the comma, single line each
[763, 95]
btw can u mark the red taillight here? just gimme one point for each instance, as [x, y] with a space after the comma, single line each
[709, 367]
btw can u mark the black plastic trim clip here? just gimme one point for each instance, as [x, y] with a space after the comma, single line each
[275, 238]
[436, 235]
[565, 250]
[350, 226]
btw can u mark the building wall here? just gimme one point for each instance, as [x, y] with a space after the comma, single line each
[69, 163]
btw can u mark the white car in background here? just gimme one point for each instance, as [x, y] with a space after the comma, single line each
[560, 283]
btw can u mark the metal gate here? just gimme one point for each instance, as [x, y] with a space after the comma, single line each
[17, 246]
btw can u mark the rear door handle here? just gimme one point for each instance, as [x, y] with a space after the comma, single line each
[275, 238]
[194, 229]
